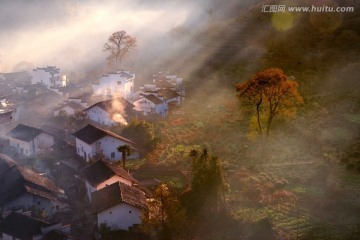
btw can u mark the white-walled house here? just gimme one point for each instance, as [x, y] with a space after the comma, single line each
[92, 141]
[162, 77]
[119, 206]
[110, 112]
[70, 108]
[28, 140]
[48, 76]
[149, 104]
[118, 84]
[22, 188]
[101, 174]
[169, 96]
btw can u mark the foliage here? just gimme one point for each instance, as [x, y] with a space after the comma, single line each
[165, 218]
[272, 93]
[63, 114]
[104, 229]
[125, 151]
[119, 45]
[142, 133]
[208, 186]
[320, 232]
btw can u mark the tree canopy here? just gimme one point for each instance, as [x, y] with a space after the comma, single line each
[272, 93]
[165, 215]
[142, 133]
[119, 45]
[208, 186]
[125, 151]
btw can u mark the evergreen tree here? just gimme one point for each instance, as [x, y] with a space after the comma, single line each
[208, 186]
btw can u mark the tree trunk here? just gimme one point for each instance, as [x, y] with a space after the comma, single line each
[258, 117]
[268, 125]
[123, 159]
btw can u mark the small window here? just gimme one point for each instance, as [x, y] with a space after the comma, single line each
[113, 155]
[57, 207]
[39, 203]
[130, 212]
[110, 212]
[119, 83]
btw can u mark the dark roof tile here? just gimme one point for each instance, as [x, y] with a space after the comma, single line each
[152, 98]
[115, 194]
[21, 226]
[168, 94]
[100, 171]
[24, 132]
[17, 180]
[73, 105]
[114, 105]
[91, 134]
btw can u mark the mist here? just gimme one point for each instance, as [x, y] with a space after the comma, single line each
[213, 45]
[71, 34]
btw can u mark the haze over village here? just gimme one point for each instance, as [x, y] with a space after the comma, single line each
[179, 120]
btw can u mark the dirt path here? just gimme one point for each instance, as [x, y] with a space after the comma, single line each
[287, 164]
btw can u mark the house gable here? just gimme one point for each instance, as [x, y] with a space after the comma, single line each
[24, 132]
[115, 194]
[101, 171]
[21, 187]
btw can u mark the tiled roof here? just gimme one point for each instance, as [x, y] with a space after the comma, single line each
[115, 194]
[168, 94]
[52, 130]
[164, 84]
[121, 74]
[17, 180]
[101, 171]
[91, 134]
[111, 105]
[24, 132]
[152, 98]
[49, 69]
[38, 180]
[73, 105]
[21, 226]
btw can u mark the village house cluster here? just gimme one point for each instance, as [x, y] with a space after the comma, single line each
[82, 160]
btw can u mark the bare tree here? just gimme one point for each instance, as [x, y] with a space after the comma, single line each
[119, 45]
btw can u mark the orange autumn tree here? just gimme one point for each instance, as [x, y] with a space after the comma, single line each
[272, 93]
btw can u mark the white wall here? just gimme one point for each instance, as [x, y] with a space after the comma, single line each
[41, 76]
[99, 115]
[7, 237]
[40, 142]
[83, 148]
[107, 146]
[143, 105]
[114, 85]
[25, 148]
[121, 216]
[43, 141]
[146, 107]
[27, 200]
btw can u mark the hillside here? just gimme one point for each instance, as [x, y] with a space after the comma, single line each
[314, 154]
